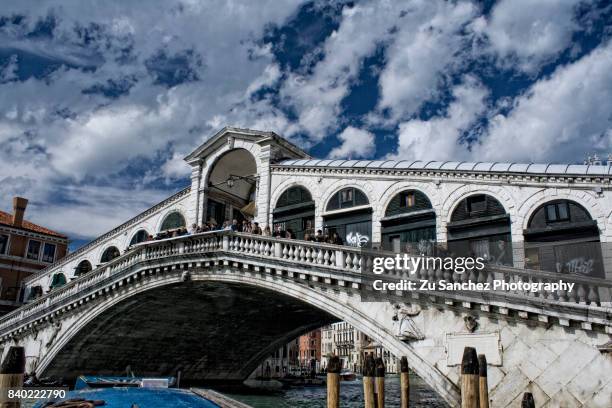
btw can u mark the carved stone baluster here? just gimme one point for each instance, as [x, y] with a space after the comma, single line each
[473, 275]
[348, 261]
[448, 275]
[572, 296]
[593, 296]
[285, 252]
[332, 258]
[302, 254]
[582, 293]
[439, 274]
[562, 295]
[320, 256]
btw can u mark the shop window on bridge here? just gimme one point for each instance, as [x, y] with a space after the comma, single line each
[215, 212]
[82, 268]
[562, 237]
[58, 280]
[347, 198]
[140, 236]
[480, 227]
[173, 221]
[409, 224]
[295, 210]
[349, 218]
[109, 254]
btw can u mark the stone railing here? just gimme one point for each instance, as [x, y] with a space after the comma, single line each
[337, 265]
[57, 266]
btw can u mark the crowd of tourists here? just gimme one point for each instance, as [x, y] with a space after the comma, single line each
[249, 227]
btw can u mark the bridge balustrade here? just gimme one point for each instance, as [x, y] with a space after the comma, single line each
[588, 293]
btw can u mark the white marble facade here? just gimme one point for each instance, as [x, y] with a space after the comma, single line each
[280, 165]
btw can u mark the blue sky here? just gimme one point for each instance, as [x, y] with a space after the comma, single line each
[100, 101]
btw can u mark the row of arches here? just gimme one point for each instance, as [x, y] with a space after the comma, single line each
[172, 221]
[561, 235]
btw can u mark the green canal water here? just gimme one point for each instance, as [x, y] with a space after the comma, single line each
[351, 393]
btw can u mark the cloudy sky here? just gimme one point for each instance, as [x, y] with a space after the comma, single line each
[100, 101]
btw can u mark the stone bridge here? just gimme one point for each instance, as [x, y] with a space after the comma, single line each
[214, 305]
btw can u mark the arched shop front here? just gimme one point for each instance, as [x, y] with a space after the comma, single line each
[348, 213]
[480, 227]
[295, 211]
[231, 187]
[409, 224]
[561, 236]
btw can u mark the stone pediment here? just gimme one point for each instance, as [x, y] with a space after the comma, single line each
[227, 136]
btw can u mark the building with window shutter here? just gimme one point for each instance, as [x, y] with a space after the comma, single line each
[25, 248]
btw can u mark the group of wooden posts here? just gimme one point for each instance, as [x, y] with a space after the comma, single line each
[474, 385]
[373, 382]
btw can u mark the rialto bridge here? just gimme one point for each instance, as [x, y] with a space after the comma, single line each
[213, 305]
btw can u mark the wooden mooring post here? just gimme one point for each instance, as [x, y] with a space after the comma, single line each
[380, 383]
[11, 375]
[404, 383]
[333, 382]
[483, 382]
[469, 379]
[368, 382]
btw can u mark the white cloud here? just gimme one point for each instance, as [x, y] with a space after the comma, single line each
[439, 138]
[560, 119]
[528, 33]
[356, 143]
[428, 46]
[317, 97]
[53, 135]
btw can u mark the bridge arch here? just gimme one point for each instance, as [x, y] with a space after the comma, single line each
[83, 267]
[407, 217]
[294, 209]
[480, 226]
[232, 183]
[562, 236]
[587, 200]
[139, 236]
[348, 216]
[109, 254]
[171, 220]
[339, 308]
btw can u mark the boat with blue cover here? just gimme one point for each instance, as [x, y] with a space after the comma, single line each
[137, 392]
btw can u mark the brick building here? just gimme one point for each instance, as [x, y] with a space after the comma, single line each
[25, 248]
[310, 349]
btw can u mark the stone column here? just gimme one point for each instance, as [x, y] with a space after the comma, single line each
[518, 248]
[263, 187]
[194, 214]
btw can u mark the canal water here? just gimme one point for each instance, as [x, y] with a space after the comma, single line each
[351, 393]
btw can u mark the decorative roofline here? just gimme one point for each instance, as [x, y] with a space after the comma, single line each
[452, 166]
[109, 234]
[428, 172]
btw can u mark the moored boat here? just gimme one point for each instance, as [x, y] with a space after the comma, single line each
[347, 375]
[122, 392]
